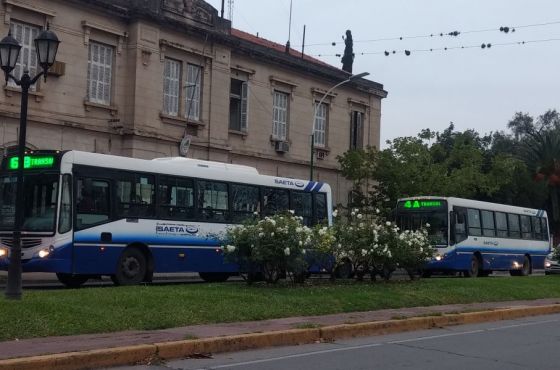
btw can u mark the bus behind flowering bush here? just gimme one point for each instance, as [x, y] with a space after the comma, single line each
[361, 243]
[272, 246]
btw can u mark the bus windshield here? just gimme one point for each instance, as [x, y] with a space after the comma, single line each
[41, 192]
[434, 215]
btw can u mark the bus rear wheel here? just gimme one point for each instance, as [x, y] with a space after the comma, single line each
[131, 268]
[71, 280]
[214, 277]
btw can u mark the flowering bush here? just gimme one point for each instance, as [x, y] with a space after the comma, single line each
[370, 244]
[409, 249]
[273, 246]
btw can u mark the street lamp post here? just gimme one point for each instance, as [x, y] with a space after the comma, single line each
[46, 46]
[349, 79]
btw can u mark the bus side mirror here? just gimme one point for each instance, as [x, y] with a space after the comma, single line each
[452, 223]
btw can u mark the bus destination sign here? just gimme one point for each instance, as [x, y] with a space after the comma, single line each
[421, 204]
[32, 162]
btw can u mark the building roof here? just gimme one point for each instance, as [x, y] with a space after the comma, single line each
[255, 46]
[276, 46]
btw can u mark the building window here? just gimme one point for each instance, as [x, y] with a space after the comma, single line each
[238, 105]
[280, 115]
[320, 127]
[171, 86]
[26, 35]
[100, 69]
[194, 73]
[357, 130]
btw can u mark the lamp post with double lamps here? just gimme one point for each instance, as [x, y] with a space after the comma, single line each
[46, 46]
[349, 79]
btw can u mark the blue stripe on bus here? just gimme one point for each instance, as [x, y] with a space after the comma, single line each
[317, 187]
[310, 184]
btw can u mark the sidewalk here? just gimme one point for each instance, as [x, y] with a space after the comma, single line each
[53, 345]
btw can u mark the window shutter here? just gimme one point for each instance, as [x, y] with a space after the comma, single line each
[360, 130]
[244, 105]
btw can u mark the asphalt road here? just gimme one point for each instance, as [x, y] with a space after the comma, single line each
[530, 343]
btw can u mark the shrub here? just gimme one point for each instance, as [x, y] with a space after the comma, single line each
[272, 246]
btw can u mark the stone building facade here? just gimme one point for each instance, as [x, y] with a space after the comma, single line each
[135, 77]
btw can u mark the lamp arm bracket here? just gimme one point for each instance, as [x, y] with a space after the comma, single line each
[37, 76]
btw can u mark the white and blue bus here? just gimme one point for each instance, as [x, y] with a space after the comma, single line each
[477, 237]
[91, 215]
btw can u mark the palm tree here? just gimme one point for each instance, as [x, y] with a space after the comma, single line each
[540, 150]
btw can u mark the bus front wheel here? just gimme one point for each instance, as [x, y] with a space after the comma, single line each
[474, 267]
[71, 280]
[131, 268]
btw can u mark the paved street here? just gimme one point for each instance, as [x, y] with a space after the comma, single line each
[530, 343]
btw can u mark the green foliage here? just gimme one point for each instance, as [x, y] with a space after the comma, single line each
[520, 168]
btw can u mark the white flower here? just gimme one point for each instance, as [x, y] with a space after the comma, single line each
[300, 243]
[272, 234]
[287, 251]
[299, 229]
[256, 213]
[303, 251]
[292, 211]
[364, 252]
[427, 224]
[230, 248]
[388, 223]
[335, 213]
[361, 224]
[377, 210]
[252, 246]
[353, 213]
[261, 234]
[389, 254]
[360, 216]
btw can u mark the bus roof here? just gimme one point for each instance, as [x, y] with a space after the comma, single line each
[461, 202]
[188, 167]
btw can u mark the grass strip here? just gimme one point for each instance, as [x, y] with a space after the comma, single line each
[110, 309]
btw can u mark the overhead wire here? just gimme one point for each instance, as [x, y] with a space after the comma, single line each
[483, 45]
[455, 33]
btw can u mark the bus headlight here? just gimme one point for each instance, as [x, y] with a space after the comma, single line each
[3, 252]
[438, 257]
[45, 252]
[547, 264]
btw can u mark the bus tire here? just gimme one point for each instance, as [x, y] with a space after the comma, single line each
[474, 267]
[214, 277]
[344, 270]
[131, 268]
[71, 280]
[527, 267]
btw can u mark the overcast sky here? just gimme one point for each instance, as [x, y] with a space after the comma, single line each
[473, 87]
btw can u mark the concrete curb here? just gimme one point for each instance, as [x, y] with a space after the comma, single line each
[168, 350]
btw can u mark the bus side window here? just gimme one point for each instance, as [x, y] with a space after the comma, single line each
[92, 205]
[526, 227]
[303, 206]
[474, 222]
[245, 201]
[513, 225]
[176, 198]
[65, 217]
[321, 215]
[135, 196]
[501, 225]
[537, 230]
[488, 228]
[212, 201]
[460, 224]
[275, 200]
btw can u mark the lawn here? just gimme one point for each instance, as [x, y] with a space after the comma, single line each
[108, 309]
